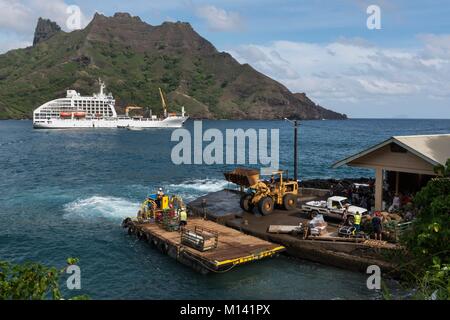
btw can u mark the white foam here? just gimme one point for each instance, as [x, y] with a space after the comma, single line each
[202, 186]
[101, 207]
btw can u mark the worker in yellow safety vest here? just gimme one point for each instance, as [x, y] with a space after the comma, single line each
[159, 196]
[357, 221]
[183, 217]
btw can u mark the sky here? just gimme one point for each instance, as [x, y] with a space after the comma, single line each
[401, 69]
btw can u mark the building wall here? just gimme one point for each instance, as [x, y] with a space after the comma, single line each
[394, 159]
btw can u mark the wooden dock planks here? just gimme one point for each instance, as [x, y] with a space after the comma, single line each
[234, 247]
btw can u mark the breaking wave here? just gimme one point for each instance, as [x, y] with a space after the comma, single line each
[191, 189]
[207, 185]
[101, 207]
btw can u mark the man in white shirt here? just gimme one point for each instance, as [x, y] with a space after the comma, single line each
[395, 203]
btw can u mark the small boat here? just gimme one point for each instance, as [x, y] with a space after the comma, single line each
[79, 114]
[135, 128]
[65, 114]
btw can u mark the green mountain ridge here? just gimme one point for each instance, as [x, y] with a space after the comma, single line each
[134, 59]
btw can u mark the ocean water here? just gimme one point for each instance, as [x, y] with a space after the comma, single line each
[63, 193]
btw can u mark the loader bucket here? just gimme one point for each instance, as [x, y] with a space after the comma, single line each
[242, 176]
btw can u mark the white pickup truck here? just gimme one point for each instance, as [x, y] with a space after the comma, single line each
[333, 207]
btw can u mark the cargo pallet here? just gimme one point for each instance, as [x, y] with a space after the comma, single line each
[233, 247]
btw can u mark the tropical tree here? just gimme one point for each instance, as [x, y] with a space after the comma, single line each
[443, 171]
[31, 281]
[429, 239]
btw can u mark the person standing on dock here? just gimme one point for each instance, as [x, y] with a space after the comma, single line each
[395, 203]
[357, 222]
[159, 196]
[345, 214]
[183, 217]
[377, 225]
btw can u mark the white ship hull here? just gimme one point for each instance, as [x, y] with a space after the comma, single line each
[98, 111]
[170, 122]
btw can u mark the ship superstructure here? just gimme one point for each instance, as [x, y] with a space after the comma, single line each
[96, 111]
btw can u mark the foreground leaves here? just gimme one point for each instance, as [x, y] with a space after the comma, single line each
[31, 281]
[429, 240]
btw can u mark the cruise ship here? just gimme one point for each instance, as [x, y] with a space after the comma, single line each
[98, 111]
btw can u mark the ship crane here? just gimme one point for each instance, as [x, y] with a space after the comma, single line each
[128, 108]
[163, 101]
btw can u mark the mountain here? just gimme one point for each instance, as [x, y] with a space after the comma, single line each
[134, 59]
[45, 29]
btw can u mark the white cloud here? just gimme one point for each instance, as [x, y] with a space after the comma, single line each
[14, 15]
[56, 10]
[219, 19]
[354, 71]
[436, 46]
[18, 19]
[6, 45]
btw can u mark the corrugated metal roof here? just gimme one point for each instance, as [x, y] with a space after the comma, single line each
[434, 149]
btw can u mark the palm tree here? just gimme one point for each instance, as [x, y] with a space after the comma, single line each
[443, 170]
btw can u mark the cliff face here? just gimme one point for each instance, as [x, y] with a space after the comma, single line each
[134, 59]
[45, 29]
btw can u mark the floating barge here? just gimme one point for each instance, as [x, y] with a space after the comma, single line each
[232, 247]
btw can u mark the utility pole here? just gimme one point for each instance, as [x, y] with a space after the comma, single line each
[296, 150]
[296, 124]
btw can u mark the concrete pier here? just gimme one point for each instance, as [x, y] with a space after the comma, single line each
[223, 207]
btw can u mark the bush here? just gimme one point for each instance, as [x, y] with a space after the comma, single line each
[31, 281]
[429, 239]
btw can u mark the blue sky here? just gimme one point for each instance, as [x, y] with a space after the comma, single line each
[323, 48]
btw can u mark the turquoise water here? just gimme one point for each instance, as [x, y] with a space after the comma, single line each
[63, 193]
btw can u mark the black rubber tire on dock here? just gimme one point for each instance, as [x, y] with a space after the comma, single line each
[289, 201]
[350, 220]
[265, 206]
[246, 203]
[313, 214]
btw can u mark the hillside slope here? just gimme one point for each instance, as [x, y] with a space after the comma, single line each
[134, 59]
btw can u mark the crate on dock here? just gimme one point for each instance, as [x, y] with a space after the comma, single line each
[169, 220]
[201, 239]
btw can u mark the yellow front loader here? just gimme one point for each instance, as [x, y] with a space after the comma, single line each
[264, 195]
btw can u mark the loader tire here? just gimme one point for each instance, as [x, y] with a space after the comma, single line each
[289, 202]
[246, 203]
[265, 206]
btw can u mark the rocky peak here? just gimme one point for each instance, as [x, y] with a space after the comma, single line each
[126, 16]
[45, 29]
[143, 37]
[118, 17]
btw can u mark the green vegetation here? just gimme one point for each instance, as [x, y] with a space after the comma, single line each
[32, 76]
[443, 171]
[134, 59]
[429, 240]
[32, 281]
[203, 87]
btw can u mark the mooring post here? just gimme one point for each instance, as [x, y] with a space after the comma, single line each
[204, 208]
[296, 150]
